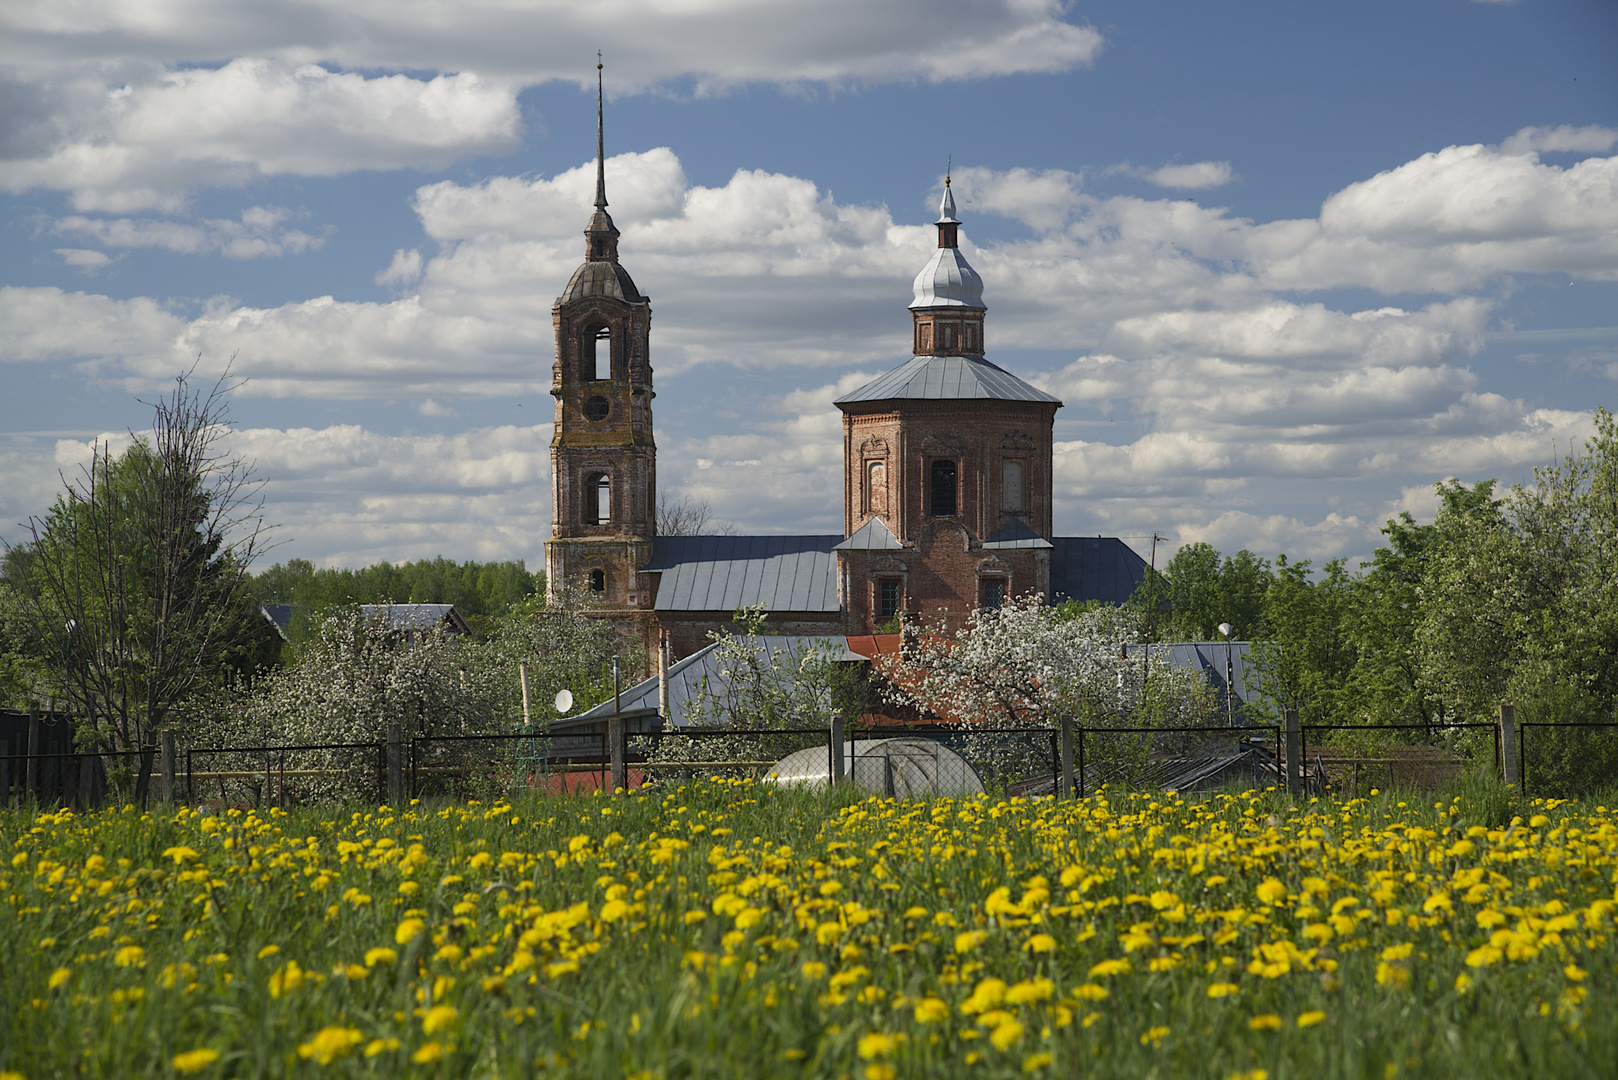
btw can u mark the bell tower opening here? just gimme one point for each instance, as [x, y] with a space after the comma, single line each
[598, 355]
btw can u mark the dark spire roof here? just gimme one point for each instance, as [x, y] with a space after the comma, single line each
[601, 274]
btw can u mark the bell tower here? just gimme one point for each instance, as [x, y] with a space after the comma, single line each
[603, 459]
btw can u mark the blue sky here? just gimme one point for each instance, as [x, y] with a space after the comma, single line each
[1286, 264]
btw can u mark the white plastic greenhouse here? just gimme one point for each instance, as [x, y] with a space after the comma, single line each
[905, 768]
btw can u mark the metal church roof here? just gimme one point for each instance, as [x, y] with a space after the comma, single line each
[947, 378]
[601, 279]
[872, 536]
[1016, 534]
[1094, 568]
[723, 573]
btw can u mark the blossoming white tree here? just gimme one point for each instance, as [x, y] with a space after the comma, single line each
[1028, 664]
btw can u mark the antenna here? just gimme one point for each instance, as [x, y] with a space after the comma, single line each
[601, 142]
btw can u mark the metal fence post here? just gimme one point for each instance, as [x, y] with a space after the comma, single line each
[836, 737]
[168, 765]
[1510, 759]
[1066, 790]
[1294, 755]
[31, 763]
[395, 765]
[1083, 793]
[5, 775]
[86, 780]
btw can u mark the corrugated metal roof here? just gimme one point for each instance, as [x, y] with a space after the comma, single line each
[947, 378]
[1207, 657]
[723, 573]
[872, 536]
[397, 616]
[690, 676]
[1016, 534]
[1094, 568]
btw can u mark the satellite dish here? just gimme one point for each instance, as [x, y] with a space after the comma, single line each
[564, 701]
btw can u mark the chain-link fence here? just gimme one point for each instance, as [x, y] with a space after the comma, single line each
[686, 753]
[1569, 759]
[498, 766]
[1176, 758]
[1351, 759]
[283, 776]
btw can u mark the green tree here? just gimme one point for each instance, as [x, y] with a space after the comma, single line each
[1306, 656]
[134, 583]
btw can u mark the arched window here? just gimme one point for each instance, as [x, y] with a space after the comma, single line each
[876, 487]
[598, 354]
[597, 499]
[1011, 489]
[941, 487]
[994, 592]
[949, 337]
[598, 581]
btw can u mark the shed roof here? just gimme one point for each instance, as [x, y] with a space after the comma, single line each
[396, 616]
[947, 378]
[688, 677]
[723, 573]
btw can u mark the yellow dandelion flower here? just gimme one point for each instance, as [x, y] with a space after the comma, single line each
[1222, 989]
[329, 1044]
[408, 931]
[130, 956]
[1311, 1018]
[877, 1044]
[1040, 943]
[1265, 1022]
[380, 955]
[440, 1018]
[194, 1060]
[380, 1046]
[931, 1011]
[59, 976]
[1006, 1034]
[427, 1053]
[1153, 1036]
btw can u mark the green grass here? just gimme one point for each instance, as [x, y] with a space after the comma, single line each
[634, 983]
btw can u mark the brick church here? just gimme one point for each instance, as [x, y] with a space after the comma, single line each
[946, 479]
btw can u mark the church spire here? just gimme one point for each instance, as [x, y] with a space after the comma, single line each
[601, 142]
[601, 235]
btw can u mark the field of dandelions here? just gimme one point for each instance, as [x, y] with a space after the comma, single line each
[731, 929]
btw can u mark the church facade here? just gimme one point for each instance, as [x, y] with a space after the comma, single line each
[947, 479]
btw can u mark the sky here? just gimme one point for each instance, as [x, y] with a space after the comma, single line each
[1287, 265]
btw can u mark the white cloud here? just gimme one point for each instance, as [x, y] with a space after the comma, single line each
[1187, 176]
[132, 114]
[259, 233]
[405, 269]
[1043, 200]
[1590, 139]
[1451, 221]
[719, 43]
[85, 259]
[429, 407]
[144, 143]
